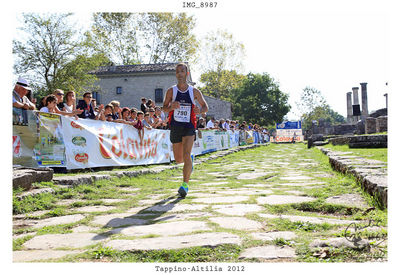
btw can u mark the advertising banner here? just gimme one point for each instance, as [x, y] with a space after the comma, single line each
[92, 143]
[50, 148]
[289, 125]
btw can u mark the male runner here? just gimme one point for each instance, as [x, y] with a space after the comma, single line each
[179, 102]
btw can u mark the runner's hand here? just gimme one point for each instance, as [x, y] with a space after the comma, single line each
[196, 110]
[175, 105]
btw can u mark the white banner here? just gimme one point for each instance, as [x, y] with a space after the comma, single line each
[92, 143]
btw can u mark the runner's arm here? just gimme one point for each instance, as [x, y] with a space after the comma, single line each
[200, 99]
[168, 105]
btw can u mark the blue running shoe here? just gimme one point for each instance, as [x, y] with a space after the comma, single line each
[183, 190]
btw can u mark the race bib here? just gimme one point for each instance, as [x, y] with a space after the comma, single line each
[183, 113]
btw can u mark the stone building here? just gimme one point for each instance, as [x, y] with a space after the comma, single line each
[129, 83]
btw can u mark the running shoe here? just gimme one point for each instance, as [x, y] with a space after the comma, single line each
[183, 190]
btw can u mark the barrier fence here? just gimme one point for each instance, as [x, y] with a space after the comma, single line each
[50, 140]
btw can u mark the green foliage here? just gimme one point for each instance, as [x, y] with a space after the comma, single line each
[220, 84]
[313, 106]
[32, 203]
[260, 100]
[168, 37]
[49, 44]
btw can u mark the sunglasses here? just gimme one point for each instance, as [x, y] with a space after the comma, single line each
[60, 94]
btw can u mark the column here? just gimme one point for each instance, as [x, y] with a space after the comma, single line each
[364, 100]
[349, 108]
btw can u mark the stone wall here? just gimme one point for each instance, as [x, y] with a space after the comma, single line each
[134, 87]
[218, 108]
[368, 141]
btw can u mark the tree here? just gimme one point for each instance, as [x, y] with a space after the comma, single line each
[314, 107]
[220, 85]
[115, 35]
[168, 37]
[50, 43]
[260, 100]
[220, 51]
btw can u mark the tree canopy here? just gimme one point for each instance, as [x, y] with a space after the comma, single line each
[260, 100]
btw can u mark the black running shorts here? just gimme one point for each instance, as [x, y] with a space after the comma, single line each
[177, 132]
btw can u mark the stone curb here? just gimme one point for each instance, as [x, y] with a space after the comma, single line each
[370, 174]
[72, 181]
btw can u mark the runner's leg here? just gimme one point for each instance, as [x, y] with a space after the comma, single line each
[177, 148]
[187, 144]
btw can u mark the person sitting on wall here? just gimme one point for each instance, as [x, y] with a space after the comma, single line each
[50, 105]
[87, 108]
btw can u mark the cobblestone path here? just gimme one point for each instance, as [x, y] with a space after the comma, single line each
[273, 203]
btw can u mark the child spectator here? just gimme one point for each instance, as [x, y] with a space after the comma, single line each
[133, 114]
[107, 114]
[50, 104]
[117, 110]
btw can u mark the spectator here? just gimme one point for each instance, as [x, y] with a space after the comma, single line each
[117, 110]
[143, 106]
[59, 94]
[20, 102]
[149, 105]
[147, 122]
[160, 113]
[138, 124]
[107, 115]
[70, 102]
[87, 108]
[243, 126]
[126, 114]
[201, 123]
[210, 123]
[133, 114]
[50, 105]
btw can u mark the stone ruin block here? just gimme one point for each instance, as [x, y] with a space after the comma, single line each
[370, 125]
[381, 124]
[24, 177]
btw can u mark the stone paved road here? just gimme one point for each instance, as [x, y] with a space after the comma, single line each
[276, 202]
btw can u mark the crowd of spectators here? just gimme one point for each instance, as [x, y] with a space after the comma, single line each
[149, 116]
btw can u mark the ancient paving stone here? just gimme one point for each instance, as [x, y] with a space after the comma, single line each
[283, 199]
[238, 223]
[246, 191]
[302, 183]
[111, 201]
[163, 229]
[68, 201]
[348, 200]
[316, 220]
[268, 252]
[257, 185]
[129, 189]
[340, 242]
[175, 207]
[175, 242]
[294, 192]
[294, 178]
[74, 240]
[94, 208]
[23, 235]
[83, 228]
[252, 175]
[34, 255]
[237, 209]
[227, 199]
[203, 194]
[118, 219]
[270, 236]
[215, 183]
[58, 220]
[31, 214]
[182, 216]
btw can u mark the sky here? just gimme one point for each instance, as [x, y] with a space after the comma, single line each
[328, 47]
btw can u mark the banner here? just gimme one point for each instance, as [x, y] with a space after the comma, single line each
[289, 130]
[289, 125]
[92, 143]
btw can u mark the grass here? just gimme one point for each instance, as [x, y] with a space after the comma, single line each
[369, 153]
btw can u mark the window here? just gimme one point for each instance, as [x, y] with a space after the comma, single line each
[119, 90]
[159, 96]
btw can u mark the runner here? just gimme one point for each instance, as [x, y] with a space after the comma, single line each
[179, 103]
